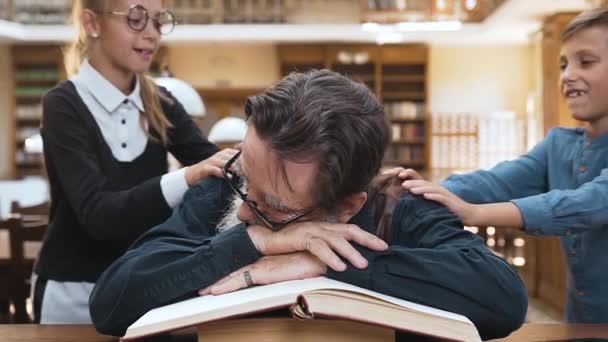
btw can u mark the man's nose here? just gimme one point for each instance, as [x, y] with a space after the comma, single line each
[245, 214]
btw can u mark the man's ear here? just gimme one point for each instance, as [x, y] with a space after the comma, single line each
[351, 206]
[90, 23]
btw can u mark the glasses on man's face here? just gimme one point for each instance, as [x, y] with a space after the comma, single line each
[231, 179]
[137, 19]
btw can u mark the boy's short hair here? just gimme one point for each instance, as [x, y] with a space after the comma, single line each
[585, 20]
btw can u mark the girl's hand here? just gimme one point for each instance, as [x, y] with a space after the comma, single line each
[209, 167]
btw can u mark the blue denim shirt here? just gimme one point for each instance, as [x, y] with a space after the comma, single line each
[561, 189]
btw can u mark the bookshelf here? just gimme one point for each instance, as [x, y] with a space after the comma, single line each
[45, 12]
[395, 73]
[37, 68]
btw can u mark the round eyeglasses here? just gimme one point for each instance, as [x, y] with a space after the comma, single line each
[137, 19]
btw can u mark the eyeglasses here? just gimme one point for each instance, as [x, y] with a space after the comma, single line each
[231, 178]
[137, 19]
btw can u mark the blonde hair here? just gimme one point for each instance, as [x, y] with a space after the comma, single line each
[592, 18]
[79, 50]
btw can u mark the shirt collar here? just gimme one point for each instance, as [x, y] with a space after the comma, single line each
[600, 141]
[105, 92]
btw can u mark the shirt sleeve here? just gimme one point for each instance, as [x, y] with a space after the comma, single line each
[174, 186]
[433, 261]
[72, 157]
[559, 212]
[522, 177]
[172, 261]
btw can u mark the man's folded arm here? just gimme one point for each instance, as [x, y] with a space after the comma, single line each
[435, 262]
[170, 263]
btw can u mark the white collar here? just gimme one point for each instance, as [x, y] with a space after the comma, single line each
[104, 91]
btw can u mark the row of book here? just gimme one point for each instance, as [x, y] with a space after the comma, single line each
[31, 91]
[405, 154]
[404, 132]
[29, 111]
[404, 110]
[41, 11]
[35, 74]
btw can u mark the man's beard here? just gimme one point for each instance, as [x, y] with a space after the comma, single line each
[230, 218]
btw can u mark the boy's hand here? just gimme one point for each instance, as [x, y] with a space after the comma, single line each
[403, 174]
[467, 212]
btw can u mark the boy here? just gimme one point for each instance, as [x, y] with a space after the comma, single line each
[560, 187]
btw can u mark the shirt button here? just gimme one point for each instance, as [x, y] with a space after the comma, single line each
[588, 144]
[583, 169]
[124, 145]
[125, 101]
[123, 121]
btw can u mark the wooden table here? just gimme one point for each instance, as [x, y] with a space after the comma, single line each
[553, 332]
[85, 333]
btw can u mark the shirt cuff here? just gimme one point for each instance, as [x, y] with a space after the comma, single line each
[534, 217]
[174, 186]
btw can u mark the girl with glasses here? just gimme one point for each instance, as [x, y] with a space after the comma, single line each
[106, 133]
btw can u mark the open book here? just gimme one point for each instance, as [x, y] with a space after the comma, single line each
[309, 299]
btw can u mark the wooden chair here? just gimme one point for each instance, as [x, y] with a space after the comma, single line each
[20, 232]
[35, 213]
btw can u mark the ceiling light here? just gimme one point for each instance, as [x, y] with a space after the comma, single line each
[470, 4]
[430, 26]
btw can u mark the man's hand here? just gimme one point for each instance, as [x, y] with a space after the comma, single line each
[269, 270]
[324, 240]
[467, 212]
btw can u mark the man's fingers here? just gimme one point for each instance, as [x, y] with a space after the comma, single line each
[319, 248]
[235, 282]
[347, 251]
[351, 232]
[354, 233]
[207, 290]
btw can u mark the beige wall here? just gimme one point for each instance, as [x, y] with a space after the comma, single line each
[225, 65]
[6, 116]
[480, 79]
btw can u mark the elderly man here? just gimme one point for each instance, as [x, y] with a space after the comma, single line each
[294, 204]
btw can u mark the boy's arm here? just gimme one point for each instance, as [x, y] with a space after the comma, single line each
[562, 212]
[172, 261]
[435, 262]
[522, 177]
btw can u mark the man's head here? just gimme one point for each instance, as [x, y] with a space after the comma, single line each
[584, 66]
[314, 143]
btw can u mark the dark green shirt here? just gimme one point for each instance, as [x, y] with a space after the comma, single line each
[432, 260]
